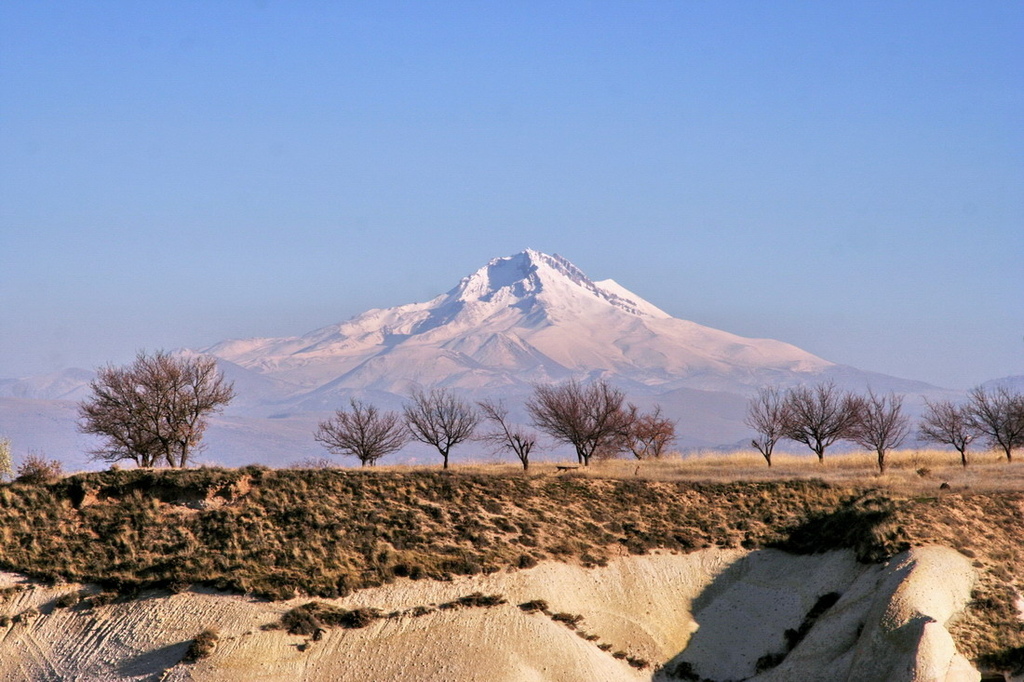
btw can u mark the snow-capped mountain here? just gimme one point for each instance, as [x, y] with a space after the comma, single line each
[519, 320]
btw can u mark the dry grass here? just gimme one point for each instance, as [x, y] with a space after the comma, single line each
[909, 472]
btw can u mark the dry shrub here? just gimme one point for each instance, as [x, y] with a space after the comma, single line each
[313, 463]
[569, 620]
[534, 606]
[475, 599]
[202, 646]
[313, 616]
[67, 600]
[37, 470]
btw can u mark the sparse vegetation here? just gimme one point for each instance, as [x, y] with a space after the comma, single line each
[313, 618]
[267, 532]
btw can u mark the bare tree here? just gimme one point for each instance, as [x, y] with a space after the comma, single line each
[590, 418]
[947, 424]
[999, 416]
[819, 416]
[767, 413]
[363, 432]
[440, 419]
[506, 435]
[648, 434]
[155, 409]
[882, 425]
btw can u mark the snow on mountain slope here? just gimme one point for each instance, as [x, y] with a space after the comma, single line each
[521, 319]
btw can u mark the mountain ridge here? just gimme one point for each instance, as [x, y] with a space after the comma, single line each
[518, 321]
[536, 316]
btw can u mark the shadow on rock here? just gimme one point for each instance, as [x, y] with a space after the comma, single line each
[757, 610]
[154, 663]
[867, 524]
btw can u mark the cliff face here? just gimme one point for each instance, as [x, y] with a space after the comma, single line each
[712, 614]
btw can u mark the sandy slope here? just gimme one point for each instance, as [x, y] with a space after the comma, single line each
[718, 611]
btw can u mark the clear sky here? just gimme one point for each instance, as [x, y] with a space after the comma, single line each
[844, 176]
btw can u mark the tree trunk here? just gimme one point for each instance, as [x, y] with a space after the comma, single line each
[963, 457]
[881, 461]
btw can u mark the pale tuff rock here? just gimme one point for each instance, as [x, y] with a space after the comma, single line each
[718, 611]
[905, 638]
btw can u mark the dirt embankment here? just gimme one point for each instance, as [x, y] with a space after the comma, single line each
[360, 538]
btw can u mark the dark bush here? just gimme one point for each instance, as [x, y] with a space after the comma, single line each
[202, 646]
[67, 600]
[526, 561]
[534, 606]
[570, 620]
[486, 600]
[357, 618]
[313, 616]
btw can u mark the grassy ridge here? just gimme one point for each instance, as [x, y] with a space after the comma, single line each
[278, 533]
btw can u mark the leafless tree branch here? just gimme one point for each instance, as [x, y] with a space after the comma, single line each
[440, 419]
[363, 432]
[506, 435]
[155, 409]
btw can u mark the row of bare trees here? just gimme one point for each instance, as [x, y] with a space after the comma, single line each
[818, 416]
[996, 415]
[155, 411]
[594, 419]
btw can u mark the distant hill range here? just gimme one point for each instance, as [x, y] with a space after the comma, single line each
[519, 320]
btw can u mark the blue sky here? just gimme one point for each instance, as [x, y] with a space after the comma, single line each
[844, 176]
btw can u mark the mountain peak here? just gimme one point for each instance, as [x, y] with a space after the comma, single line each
[521, 319]
[529, 274]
